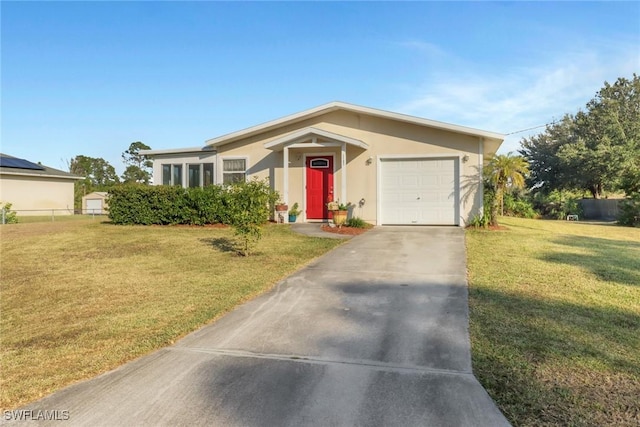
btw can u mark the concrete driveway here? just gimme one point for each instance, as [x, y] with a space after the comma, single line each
[373, 333]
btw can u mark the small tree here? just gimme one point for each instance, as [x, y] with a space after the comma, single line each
[8, 216]
[249, 208]
[501, 173]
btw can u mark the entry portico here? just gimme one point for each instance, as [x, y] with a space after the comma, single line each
[320, 167]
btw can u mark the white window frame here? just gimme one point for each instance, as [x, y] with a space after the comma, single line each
[172, 173]
[222, 171]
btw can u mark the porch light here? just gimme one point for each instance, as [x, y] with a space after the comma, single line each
[465, 158]
[369, 160]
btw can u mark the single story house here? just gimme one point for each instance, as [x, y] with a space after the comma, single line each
[35, 189]
[394, 168]
[95, 203]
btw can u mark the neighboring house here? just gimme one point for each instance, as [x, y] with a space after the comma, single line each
[95, 203]
[395, 168]
[35, 189]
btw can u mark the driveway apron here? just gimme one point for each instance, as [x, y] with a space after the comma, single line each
[373, 333]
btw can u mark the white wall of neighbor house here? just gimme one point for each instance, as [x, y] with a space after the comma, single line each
[179, 165]
[95, 203]
[31, 195]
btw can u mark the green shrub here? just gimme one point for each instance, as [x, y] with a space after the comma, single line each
[356, 222]
[630, 211]
[165, 205]
[10, 217]
[518, 207]
[481, 221]
[557, 204]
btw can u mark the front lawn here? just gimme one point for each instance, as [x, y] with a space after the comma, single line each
[555, 321]
[82, 297]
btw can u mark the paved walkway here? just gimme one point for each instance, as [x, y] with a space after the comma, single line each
[375, 333]
[313, 229]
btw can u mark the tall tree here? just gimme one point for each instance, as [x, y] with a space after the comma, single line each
[504, 172]
[139, 167]
[547, 170]
[597, 149]
[98, 175]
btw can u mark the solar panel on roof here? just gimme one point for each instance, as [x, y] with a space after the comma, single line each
[12, 162]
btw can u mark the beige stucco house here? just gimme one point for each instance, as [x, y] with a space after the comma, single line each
[35, 189]
[394, 168]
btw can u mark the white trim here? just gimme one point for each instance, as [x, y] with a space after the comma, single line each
[285, 165]
[40, 175]
[380, 159]
[312, 134]
[419, 156]
[325, 164]
[205, 149]
[314, 144]
[337, 105]
[343, 170]
[304, 179]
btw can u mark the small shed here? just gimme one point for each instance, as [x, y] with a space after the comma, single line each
[95, 203]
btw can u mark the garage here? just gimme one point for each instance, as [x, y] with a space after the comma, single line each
[95, 203]
[419, 191]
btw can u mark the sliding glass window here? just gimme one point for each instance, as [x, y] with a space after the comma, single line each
[207, 174]
[177, 175]
[194, 176]
[166, 174]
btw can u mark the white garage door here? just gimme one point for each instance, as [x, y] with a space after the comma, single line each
[94, 206]
[419, 191]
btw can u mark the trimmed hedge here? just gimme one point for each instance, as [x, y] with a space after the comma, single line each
[168, 205]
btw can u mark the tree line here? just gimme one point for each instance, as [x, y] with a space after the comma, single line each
[99, 175]
[594, 152]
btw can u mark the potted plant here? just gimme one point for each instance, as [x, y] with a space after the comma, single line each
[281, 207]
[294, 212]
[340, 212]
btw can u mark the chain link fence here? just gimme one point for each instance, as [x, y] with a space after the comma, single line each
[9, 216]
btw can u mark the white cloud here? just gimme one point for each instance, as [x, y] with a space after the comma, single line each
[518, 96]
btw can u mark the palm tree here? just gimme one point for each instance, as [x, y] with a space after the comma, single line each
[502, 172]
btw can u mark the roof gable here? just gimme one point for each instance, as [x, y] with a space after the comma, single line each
[496, 138]
[311, 133]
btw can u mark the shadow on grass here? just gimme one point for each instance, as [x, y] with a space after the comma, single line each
[536, 358]
[610, 260]
[223, 244]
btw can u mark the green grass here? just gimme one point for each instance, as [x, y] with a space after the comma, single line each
[82, 297]
[555, 321]
[28, 219]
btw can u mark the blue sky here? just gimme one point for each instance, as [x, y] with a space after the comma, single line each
[91, 77]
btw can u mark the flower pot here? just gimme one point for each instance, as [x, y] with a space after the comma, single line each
[282, 208]
[340, 217]
[292, 218]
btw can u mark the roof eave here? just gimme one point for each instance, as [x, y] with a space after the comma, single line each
[39, 175]
[337, 105]
[205, 149]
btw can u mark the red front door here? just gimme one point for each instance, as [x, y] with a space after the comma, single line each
[319, 186]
